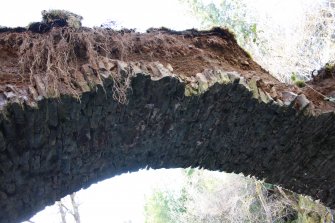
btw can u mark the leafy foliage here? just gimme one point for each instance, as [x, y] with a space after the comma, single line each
[230, 14]
[298, 46]
[165, 207]
[214, 197]
[73, 20]
[300, 83]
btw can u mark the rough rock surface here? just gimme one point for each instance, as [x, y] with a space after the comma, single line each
[217, 119]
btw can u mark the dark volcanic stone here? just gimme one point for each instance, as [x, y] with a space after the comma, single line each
[39, 27]
[14, 30]
[42, 27]
[66, 144]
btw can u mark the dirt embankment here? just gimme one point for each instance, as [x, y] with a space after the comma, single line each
[70, 61]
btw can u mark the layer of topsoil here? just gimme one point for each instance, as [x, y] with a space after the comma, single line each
[55, 56]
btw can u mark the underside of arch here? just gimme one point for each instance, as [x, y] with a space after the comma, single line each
[219, 119]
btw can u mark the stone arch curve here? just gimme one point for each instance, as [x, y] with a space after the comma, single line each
[216, 119]
[66, 144]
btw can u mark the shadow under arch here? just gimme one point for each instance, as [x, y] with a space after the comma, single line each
[66, 144]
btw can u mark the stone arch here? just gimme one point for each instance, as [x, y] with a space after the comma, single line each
[203, 116]
[66, 144]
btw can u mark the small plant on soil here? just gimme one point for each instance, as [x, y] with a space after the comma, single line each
[297, 81]
[73, 20]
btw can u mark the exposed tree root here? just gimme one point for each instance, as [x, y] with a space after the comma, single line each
[52, 59]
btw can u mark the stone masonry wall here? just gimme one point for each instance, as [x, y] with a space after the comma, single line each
[65, 144]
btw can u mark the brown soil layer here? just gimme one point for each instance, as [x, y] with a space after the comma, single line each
[186, 53]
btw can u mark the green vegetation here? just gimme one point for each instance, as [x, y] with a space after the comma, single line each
[229, 14]
[301, 46]
[164, 207]
[73, 20]
[214, 197]
[329, 69]
[300, 83]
